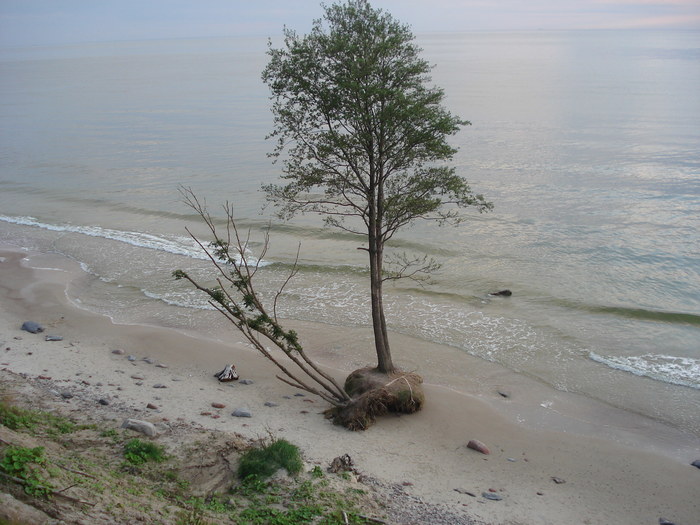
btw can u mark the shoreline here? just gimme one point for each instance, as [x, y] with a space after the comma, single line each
[615, 464]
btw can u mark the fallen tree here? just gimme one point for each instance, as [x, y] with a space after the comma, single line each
[366, 393]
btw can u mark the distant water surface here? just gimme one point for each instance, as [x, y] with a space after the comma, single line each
[588, 143]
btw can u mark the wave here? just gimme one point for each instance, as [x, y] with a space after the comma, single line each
[176, 245]
[683, 371]
[643, 314]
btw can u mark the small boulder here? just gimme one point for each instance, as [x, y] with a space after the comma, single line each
[696, 463]
[477, 445]
[144, 427]
[32, 327]
[242, 412]
[502, 293]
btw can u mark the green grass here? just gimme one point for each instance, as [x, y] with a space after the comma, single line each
[138, 452]
[263, 462]
[26, 464]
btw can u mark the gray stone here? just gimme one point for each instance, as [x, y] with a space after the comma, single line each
[246, 381]
[696, 463]
[118, 352]
[242, 412]
[144, 427]
[53, 338]
[492, 496]
[103, 402]
[131, 358]
[66, 395]
[32, 327]
[299, 394]
[159, 385]
[149, 360]
[270, 404]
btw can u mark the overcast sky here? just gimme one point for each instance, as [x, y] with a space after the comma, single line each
[38, 22]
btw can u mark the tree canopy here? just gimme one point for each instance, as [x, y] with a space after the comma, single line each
[364, 136]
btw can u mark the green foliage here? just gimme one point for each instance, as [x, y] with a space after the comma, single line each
[35, 421]
[317, 472]
[260, 463]
[138, 452]
[26, 463]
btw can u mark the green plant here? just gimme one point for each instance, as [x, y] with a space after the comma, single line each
[263, 462]
[25, 464]
[317, 472]
[138, 452]
[15, 418]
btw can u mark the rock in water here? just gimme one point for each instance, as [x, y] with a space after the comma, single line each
[32, 327]
[502, 293]
[477, 445]
[227, 374]
[696, 463]
[144, 427]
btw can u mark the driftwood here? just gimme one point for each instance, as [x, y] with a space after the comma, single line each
[227, 374]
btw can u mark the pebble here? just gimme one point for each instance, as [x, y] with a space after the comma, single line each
[503, 393]
[512, 460]
[159, 385]
[53, 338]
[477, 445]
[118, 352]
[271, 404]
[462, 491]
[218, 405]
[663, 521]
[151, 406]
[246, 381]
[137, 377]
[492, 496]
[103, 402]
[131, 358]
[242, 412]
[287, 397]
[66, 395]
[32, 327]
[557, 480]
[696, 463]
[161, 365]
[148, 360]
[299, 394]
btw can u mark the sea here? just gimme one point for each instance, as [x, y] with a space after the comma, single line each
[587, 143]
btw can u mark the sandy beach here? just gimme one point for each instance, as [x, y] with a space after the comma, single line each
[610, 466]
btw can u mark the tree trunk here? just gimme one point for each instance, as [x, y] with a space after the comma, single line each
[381, 338]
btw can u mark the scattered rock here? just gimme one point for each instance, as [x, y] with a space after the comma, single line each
[287, 397]
[159, 385]
[270, 404]
[53, 338]
[229, 373]
[118, 352]
[492, 496]
[151, 406]
[66, 395]
[299, 394]
[242, 412]
[161, 365]
[131, 358]
[663, 521]
[503, 393]
[502, 293]
[144, 427]
[32, 327]
[149, 360]
[246, 382]
[696, 463]
[137, 377]
[557, 480]
[103, 402]
[218, 405]
[540, 493]
[477, 445]
[512, 460]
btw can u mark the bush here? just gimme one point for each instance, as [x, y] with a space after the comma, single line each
[264, 462]
[138, 452]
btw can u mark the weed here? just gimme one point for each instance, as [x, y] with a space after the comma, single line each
[263, 462]
[138, 452]
[25, 463]
[317, 472]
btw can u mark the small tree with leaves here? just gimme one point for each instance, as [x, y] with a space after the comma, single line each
[365, 138]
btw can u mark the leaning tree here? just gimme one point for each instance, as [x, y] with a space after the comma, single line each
[364, 137]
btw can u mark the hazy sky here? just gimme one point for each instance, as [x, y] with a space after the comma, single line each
[36, 22]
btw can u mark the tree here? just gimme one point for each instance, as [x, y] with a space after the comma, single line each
[365, 137]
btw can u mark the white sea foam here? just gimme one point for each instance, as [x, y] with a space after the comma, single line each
[178, 245]
[684, 371]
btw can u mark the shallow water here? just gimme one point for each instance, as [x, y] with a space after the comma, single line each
[586, 142]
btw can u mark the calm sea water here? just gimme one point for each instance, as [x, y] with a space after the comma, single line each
[588, 144]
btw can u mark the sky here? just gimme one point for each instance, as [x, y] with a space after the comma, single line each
[42, 22]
